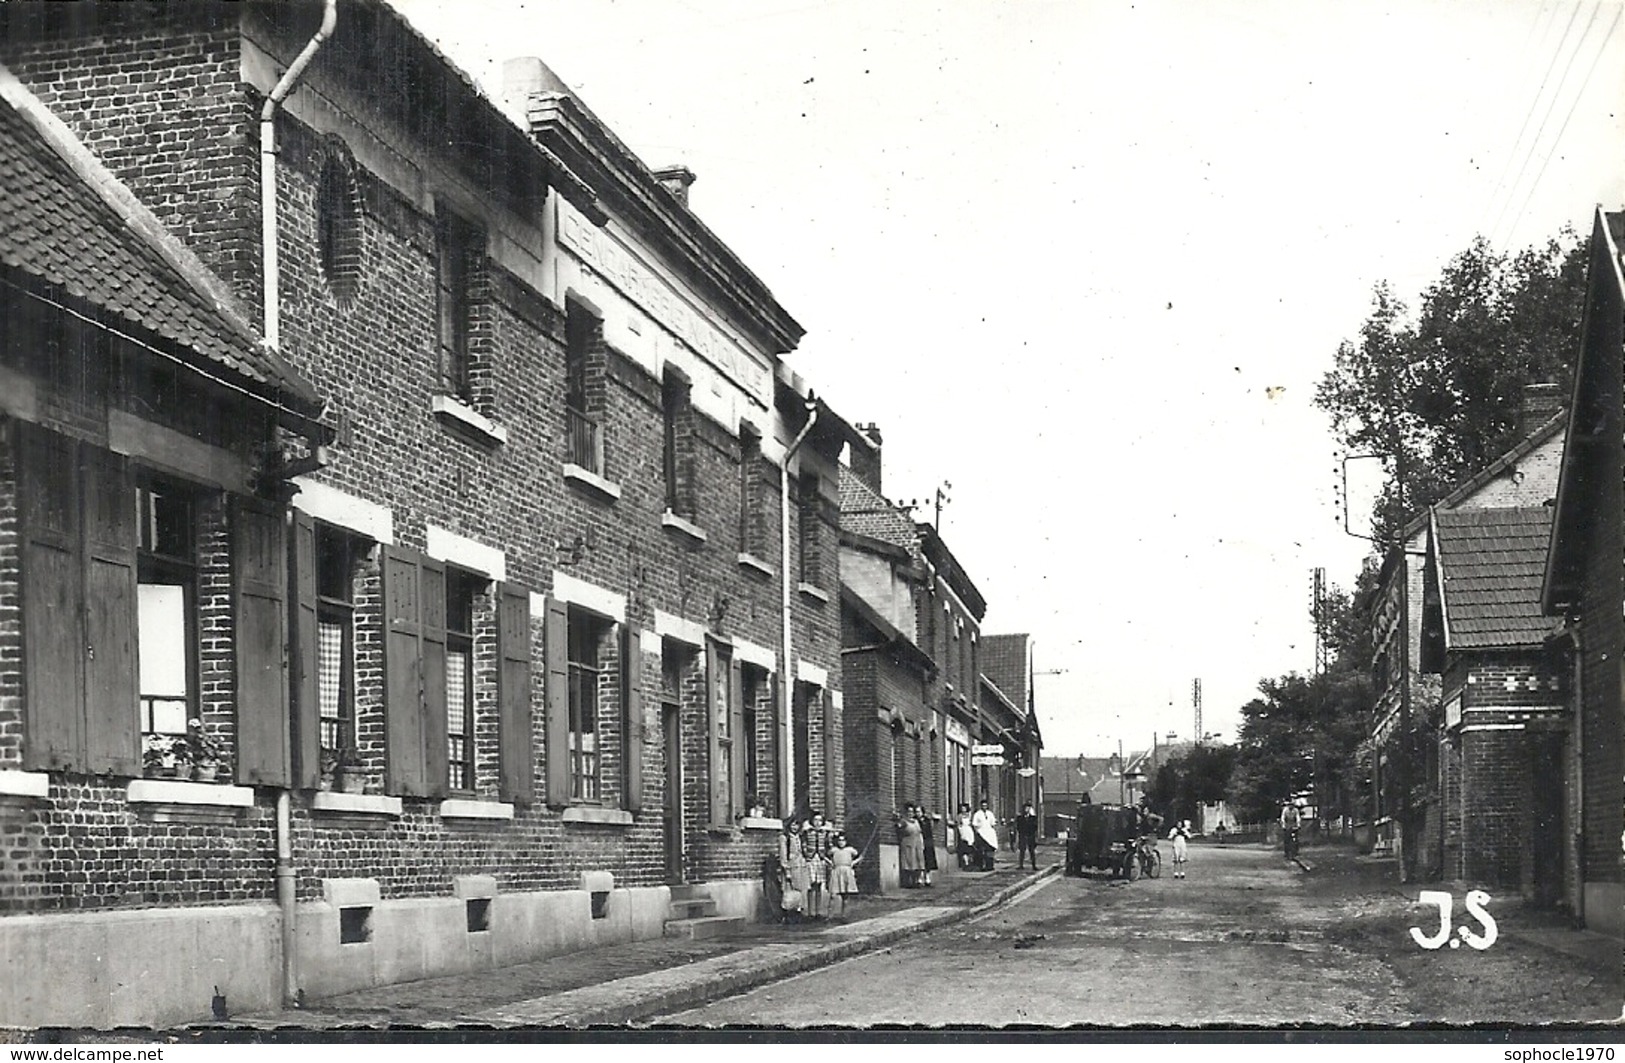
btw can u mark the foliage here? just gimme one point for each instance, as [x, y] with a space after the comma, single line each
[1303, 734]
[1437, 395]
[1199, 776]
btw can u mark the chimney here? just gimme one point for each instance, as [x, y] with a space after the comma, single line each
[524, 78]
[676, 180]
[865, 461]
[1541, 402]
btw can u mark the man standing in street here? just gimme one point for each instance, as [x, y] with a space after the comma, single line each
[984, 822]
[1291, 820]
[1027, 836]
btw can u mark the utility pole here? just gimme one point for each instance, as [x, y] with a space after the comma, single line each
[1196, 700]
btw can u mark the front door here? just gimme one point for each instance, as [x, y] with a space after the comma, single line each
[672, 728]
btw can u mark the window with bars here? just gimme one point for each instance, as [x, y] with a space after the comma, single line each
[336, 555]
[461, 591]
[166, 604]
[460, 255]
[586, 672]
[583, 335]
[676, 399]
[752, 680]
[807, 530]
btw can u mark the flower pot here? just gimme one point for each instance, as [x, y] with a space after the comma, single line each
[353, 784]
[207, 772]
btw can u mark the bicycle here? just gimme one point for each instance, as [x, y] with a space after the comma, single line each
[1148, 856]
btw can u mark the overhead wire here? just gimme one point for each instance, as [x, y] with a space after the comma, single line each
[1534, 100]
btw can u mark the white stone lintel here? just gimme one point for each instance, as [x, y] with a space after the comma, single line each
[177, 792]
[356, 804]
[836, 700]
[608, 817]
[467, 418]
[761, 823]
[473, 887]
[650, 643]
[672, 626]
[578, 592]
[344, 510]
[351, 892]
[460, 550]
[750, 653]
[807, 672]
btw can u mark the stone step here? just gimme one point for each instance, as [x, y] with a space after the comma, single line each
[689, 892]
[693, 909]
[711, 926]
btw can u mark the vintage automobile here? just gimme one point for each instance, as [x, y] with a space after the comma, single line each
[1107, 838]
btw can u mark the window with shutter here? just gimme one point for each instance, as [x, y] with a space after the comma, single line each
[556, 632]
[264, 739]
[518, 763]
[739, 742]
[322, 688]
[752, 682]
[461, 590]
[54, 644]
[586, 675]
[632, 726]
[719, 720]
[407, 772]
[167, 597]
[112, 738]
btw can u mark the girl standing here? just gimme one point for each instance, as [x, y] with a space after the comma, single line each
[966, 840]
[910, 847]
[815, 846]
[928, 833]
[796, 879]
[843, 878]
[1181, 835]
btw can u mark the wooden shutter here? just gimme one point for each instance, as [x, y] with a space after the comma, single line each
[632, 727]
[403, 674]
[264, 749]
[54, 645]
[432, 626]
[736, 728]
[518, 764]
[307, 744]
[832, 788]
[557, 721]
[715, 709]
[112, 714]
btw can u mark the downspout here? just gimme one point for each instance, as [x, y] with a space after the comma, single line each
[787, 677]
[286, 887]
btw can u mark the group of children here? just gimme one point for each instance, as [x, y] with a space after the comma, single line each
[816, 867]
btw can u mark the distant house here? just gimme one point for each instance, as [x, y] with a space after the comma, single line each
[1067, 781]
[1582, 583]
[1506, 753]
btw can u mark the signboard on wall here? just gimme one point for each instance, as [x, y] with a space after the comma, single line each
[985, 749]
[985, 760]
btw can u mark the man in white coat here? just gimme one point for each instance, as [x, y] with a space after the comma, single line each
[984, 822]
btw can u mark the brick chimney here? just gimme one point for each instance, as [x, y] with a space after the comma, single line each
[524, 78]
[865, 461]
[1541, 402]
[676, 180]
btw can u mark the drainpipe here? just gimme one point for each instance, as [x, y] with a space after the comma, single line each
[273, 328]
[286, 894]
[787, 678]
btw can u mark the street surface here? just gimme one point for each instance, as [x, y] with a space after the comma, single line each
[1247, 939]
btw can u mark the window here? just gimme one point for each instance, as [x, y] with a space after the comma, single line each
[461, 591]
[166, 615]
[585, 675]
[676, 400]
[753, 681]
[583, 395]
[338, 223]
[460, 256]
[752, 520]
[899, 790]
[724, 717]
[807, 529]
[336, 555]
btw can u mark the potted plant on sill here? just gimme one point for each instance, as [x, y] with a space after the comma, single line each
[203, 751]
[341, 770]
[754, 809]
[160, 756]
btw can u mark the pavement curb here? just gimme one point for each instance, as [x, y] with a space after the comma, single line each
[679, 998]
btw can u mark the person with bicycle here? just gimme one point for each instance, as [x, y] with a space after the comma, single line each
[1291, 822]
[1147, 828]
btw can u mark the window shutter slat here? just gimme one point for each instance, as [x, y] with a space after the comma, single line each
[264, 748]
[832, 791]
[513, 694]
[112, 715]
[304, 660]
[632, 699]
[53, 592]
[717, 786]
[432, 615]
[557, 730]
[403, 672]
[736, 728]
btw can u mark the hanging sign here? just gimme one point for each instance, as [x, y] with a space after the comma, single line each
[986, 760]
[988, 750]
[1026, 773]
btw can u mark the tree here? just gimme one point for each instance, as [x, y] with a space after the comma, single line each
[1436, 395]
[1198, 776]
[1303, 734]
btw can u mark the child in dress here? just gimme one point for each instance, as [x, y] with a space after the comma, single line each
[843, 879]
[1181, 836]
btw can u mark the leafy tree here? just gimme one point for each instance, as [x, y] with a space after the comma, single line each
[1436, 394]
[1198, 776]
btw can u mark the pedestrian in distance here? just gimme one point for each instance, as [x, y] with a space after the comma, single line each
[1027, 837]
[965, 839]
[1181, 835]
[985, 823]
[843, 875]
[928, 835]
[1291, 822]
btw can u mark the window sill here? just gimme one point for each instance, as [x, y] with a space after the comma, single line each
[684, 527]
[761, 823]
[755, 564]
[726, 830]
[354, 804]
[463, 808]
[584, 477]
[207, 794]
[608, 817]
[461, 417]
[813, 591]
[24, 784]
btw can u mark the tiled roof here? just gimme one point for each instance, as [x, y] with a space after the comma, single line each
[865, 512]
[1067, 777]
[1491, 562]
[1004, 660]
[66, 221]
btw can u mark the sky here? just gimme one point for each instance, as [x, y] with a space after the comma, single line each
[1085, 261]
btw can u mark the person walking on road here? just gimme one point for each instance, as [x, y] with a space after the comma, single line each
[1181, 835]
[1027, 837]
[985, 823]
[1291, 822]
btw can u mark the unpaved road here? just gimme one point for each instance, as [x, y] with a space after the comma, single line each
[1246, 939]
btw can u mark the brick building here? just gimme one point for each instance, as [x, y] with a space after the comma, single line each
[1506, 754]
[552, 633]
[1582, 583]
[1008, 720]
[1408, 813]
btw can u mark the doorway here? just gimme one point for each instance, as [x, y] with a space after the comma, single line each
[672, 813]
[1546, 819]
[801, 718]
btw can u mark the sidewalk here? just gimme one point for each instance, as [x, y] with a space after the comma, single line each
[639, 980]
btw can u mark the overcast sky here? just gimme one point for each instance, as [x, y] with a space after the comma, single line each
[1087, 260]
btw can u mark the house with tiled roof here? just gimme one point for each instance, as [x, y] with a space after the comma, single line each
[1505, 755]
[1008, 719]
[1583, 582]
[1407, 806]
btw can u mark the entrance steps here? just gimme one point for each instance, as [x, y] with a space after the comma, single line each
[694, 915]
